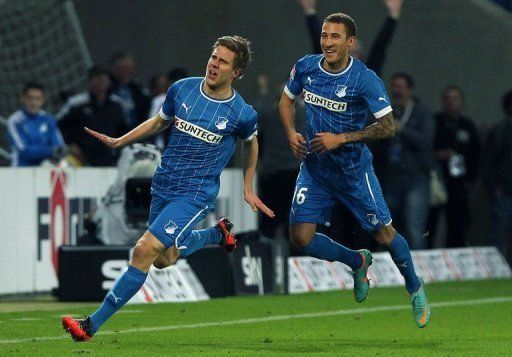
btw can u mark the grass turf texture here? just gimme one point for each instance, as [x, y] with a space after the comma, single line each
[383, 325]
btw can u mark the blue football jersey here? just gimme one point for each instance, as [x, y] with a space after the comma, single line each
[202, 139]
[337, 103]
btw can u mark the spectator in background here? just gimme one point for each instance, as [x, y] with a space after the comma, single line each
[96, 109]
[458, 148]
[410, 158]
[278, 167]
[498, 177]
[33, 132]
[135, 98]
[159, 85]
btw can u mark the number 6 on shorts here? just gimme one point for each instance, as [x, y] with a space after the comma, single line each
[300, 197]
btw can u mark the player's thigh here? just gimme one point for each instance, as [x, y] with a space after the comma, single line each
[176, 220]
[312, 202]
[363, 197]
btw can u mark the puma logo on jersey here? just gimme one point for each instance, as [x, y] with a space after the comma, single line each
[312, 98]
[184, 105]
[221, 123]
[197, 132]
[292, 73]
[341, 91]
[310, 81]
[382, 99]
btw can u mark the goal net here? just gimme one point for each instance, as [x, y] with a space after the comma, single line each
[40, 40]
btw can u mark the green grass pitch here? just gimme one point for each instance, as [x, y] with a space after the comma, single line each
[468, 318]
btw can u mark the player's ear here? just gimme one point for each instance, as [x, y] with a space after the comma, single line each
[236, 73]
[351, 41]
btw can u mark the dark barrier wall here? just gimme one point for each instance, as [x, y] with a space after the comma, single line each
[466, 42]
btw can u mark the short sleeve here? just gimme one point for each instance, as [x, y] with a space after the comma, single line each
[375, 95]
[167, 109]
[248, 127]
[294, 84]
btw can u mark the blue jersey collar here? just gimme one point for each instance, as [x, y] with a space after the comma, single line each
[351, 61]
[213, 99]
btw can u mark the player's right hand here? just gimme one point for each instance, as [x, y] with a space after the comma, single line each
[298, 145]
[107, 140]
[257, 205]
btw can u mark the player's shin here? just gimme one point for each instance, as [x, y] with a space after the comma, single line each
[323, 247]
[199, 239]
[123, 290]
[401, 255]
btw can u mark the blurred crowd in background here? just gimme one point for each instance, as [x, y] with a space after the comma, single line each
[428, 170]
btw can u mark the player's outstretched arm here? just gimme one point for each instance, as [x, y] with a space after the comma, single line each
[287, 114]
[145, 130]
[383, 128]
[250, 160]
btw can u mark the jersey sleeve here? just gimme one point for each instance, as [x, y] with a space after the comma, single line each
[294, 84]
[248, 127]
[375, 95]
[167, 109]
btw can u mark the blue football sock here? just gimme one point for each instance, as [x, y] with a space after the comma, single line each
[123, 290]
[323, 247]
[199, 239]
[401, 255]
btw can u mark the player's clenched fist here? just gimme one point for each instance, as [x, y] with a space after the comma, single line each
[326, 142]
[298, 145]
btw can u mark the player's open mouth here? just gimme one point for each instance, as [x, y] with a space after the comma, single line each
[329, 52]
[212, 74]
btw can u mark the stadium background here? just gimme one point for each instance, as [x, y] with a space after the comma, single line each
[457, 41]
[431, 42]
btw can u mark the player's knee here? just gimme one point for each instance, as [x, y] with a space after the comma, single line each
[144, 251]
[141, 251]
[166, 259]
[300, 238]
[299, 241]
[384, 235]
[162, 263]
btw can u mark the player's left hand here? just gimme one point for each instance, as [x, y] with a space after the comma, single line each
[326, 142]
[257, 205]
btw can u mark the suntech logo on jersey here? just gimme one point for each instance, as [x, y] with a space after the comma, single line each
[196, 131]
[332, 105]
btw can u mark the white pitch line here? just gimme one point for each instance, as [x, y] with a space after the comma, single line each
[27, 319]
[271, 319]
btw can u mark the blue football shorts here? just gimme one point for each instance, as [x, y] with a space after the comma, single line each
[313, 200]
[171, 219]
